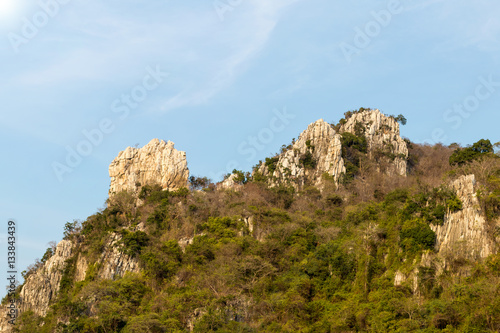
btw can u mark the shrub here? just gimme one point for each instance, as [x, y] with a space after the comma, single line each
[241, 177]
[133, 242]
[355, 142]
[272, 163]
[198, 183]
[398, 195]
[462, 156]
[220, 227]
[201, 249]
[48, 253]
[149, 323]
[334, 200]
[154, 190]
[307, 160]
[258, 177]
[417, 235]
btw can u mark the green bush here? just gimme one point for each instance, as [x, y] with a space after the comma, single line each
[272, 163]
[220, 227]
[162, 263]
[358, 143]
[307, 160]
[416, 235]
[133, 242]
[462, 156]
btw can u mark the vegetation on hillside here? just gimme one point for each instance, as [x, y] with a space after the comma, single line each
[314, 262]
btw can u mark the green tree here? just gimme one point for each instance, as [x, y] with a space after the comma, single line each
[462, 156]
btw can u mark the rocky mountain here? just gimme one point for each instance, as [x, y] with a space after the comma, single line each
[247, 255]
[157, 162]
[317, 151]
[382, 136]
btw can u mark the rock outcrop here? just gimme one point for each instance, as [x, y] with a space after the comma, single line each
[115, 263]
[42, 286]
[382, 136]
[465, 233]
[317, 151]
[158, 162]
[229, 183]
[464, 236]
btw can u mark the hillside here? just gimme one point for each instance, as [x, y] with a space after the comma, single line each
[349, 228]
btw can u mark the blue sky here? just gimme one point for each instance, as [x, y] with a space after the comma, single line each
[224, 70]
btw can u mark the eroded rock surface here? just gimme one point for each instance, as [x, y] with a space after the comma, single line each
[158, 162]
[464, 233]
[383, 138]
[42, 286]
[317, 151]
[113, 262]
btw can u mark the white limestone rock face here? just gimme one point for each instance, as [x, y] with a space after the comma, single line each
[382, 134]
[157, 162]
[113, 262]
[323, 143]
[81, 268]
[42, 287]
[230, 184]
[464, 233]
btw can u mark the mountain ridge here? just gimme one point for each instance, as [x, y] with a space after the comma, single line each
[355, 188]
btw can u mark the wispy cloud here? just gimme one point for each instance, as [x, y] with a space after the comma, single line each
[251, 32]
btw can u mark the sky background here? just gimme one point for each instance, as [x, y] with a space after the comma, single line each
[231, 64]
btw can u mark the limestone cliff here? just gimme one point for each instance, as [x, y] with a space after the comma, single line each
[42, 286]
[115, 263]
[382, 136]
[157, 162]
[465, 233]
[317, 151]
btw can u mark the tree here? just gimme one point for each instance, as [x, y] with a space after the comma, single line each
[198, 183]
[241, 177]
[400, 119]
[71, 228]
[465, 155]
[483, 146]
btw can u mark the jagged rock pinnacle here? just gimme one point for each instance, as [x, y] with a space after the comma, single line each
[157, 162]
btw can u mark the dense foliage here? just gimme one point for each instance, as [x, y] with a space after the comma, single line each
[464, 155]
